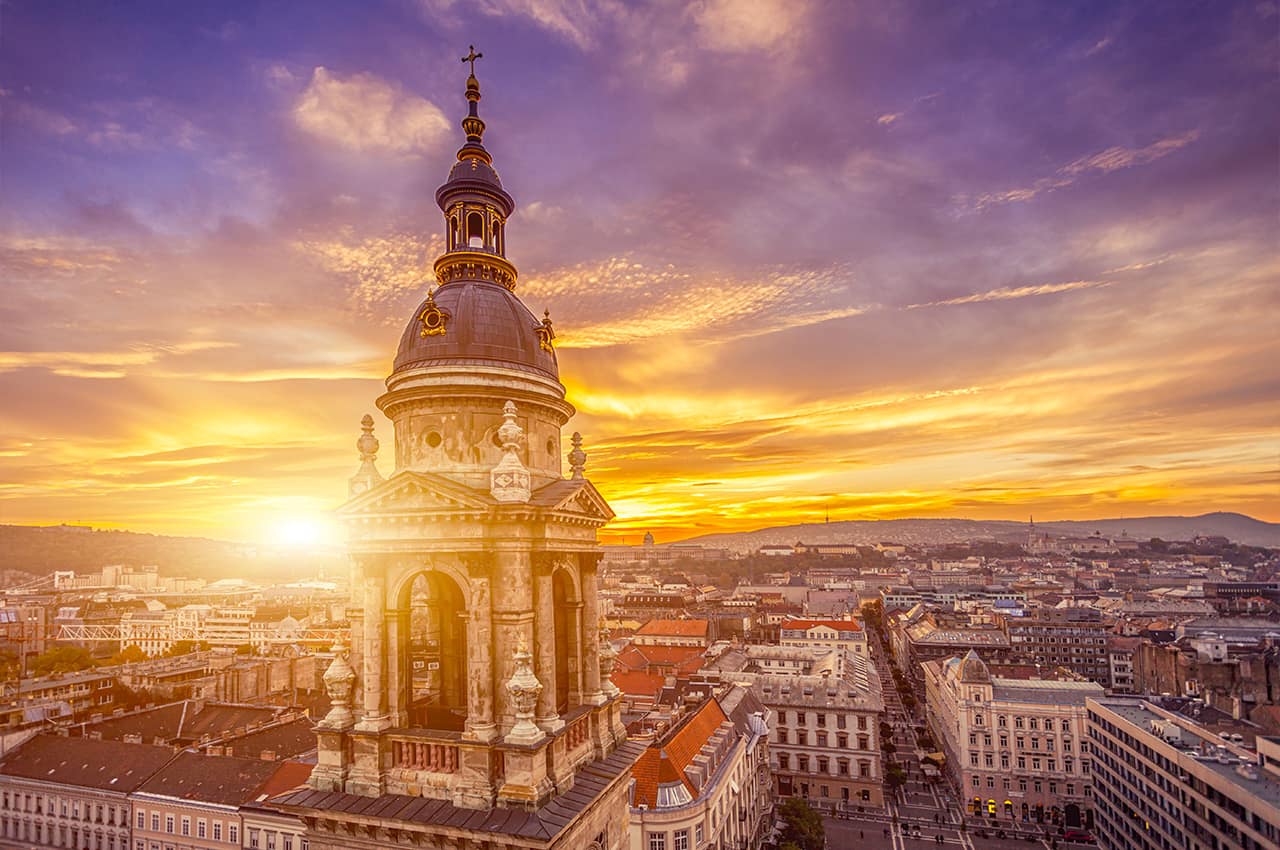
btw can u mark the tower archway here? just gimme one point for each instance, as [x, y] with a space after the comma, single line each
[567, 605]
[432, 661]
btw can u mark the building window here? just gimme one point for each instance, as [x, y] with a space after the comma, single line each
[1002, 721]
[254, 841]
[697, 835]
[217, 830]
[802, 764]
[1066, 725]
[680, 840]
[862, 721]
[864, 743]
[201, 828]
[657, 841]
[977, 719]
[1017, 723]
[822, 739]
[973, 759]
[186, 825]
[822, 720]
[823, 764]
[271, 841]
[784, 761]
[155, 822]
[1004, 762]
[1022, 785]
[288, 842]
[168, 824]
[233, 833]
[842, 767]
[142, 819]
[842, 741]
[1022, 763]
[864, 768]
[973, 740]
[1071, 789]
[991, 782]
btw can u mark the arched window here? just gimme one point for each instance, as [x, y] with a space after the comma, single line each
[475, 230]
[453, 232]
[497, 236]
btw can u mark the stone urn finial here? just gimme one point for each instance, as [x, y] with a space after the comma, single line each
[524, 689]
[367, 476]
[509, 481]
[607, 660]
[339, 680]
[577, 457]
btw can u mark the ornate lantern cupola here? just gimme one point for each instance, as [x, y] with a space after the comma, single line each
[475, 206]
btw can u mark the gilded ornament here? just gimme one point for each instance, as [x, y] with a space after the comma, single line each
[433, 319]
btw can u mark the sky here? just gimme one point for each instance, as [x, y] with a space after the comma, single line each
[864, 260]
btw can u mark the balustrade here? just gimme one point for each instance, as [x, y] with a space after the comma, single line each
[425, 755]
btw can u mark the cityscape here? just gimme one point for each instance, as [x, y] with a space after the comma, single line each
[834, 428]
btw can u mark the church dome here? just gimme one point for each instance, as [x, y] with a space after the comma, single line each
[484, 324]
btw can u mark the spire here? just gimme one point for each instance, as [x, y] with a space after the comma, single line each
[472, 125]
[475, 206]
[367, 476]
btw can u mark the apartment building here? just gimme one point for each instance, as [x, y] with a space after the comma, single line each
[1163, 781]
[824, 634]
[1074, 638]
[1015, 748]
[825, 741]
[705, 782]
[194, 802]
[73, 792]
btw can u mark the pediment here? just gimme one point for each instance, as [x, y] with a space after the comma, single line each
[575, 496]
[409, 491]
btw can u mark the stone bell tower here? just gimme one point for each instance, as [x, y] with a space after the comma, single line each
[476, 680]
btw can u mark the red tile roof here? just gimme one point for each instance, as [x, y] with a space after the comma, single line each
[665, 762]
[838, 625]
[635, 683]
[644, 657]
[674, 628]
[287, 777]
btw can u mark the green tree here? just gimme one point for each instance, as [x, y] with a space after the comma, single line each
[802, 826]
[61, 659]
[894, 776]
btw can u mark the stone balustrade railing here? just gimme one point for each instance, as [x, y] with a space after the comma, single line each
[431, 756]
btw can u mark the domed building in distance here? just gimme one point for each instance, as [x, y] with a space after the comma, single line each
[473, 707]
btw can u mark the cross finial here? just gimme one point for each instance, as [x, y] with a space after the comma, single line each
[471, 57]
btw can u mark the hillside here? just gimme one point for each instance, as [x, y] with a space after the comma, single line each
[41, 550]
[1236, 527]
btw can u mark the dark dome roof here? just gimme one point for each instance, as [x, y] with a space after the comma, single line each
[485, 324]
[474, 169]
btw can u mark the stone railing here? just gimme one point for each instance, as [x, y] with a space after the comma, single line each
[424, 755]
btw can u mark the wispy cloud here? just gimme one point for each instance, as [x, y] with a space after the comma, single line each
[364, 112]
[1103, 162]
[1007, 293]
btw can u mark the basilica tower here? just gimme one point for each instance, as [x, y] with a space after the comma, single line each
[473, 703]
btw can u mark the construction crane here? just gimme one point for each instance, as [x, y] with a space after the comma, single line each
[77, 633]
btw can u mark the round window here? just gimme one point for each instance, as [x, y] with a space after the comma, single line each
[434, 439]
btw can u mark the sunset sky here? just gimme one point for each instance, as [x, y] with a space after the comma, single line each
[979, 259]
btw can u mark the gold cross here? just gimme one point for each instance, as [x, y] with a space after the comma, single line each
[472, 57]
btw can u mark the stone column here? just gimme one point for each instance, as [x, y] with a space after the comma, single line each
[573, 619]
[588, 629]
[374, 700]
[399, 668]
[480, 725]
[512, 594]
[544, 628]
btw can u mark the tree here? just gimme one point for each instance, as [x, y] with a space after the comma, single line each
[129, 655]
[61, 659]
[894, 777]
[802, 826]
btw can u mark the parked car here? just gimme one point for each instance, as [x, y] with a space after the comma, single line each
[1078, 835]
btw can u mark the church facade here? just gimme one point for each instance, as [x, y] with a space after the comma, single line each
[473, 707]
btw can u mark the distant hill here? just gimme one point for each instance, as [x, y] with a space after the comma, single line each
[41, 550]
[1236, 527]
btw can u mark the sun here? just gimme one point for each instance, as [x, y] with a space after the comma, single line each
[302, 531]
